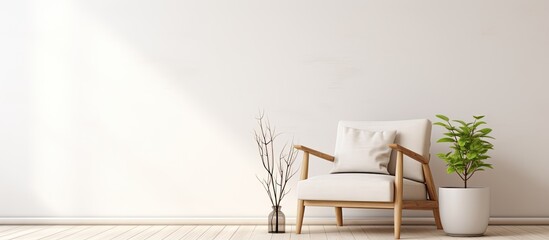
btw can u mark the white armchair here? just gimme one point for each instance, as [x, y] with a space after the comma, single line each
[409, 184]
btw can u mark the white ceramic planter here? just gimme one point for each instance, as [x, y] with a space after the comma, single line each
[464, 211]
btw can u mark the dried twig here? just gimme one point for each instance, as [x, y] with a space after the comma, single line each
[279, 171]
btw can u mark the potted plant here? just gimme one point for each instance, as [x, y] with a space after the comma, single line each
[279, 170]
[465, 211]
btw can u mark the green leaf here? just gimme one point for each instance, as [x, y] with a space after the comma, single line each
[448, 127]
[465, 130]
[462, 122]
[441, 124]
[487, 165]
[446, 140]
[478, 124]
[478, 117]
[461, 142]
[441, 155]
[443, 117]
[471, 155]
[485, 130]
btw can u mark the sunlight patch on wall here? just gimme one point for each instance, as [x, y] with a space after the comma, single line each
[112, 137]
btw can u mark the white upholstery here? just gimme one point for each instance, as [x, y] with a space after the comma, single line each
[412, 134]
[357, 187]
[363, 151]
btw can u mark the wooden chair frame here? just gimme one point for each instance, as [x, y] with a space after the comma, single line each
[398, 204]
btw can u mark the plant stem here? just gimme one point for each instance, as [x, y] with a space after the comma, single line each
[276, 227]
[465, 179]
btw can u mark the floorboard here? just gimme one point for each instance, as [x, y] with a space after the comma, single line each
[255, 232]
[147, 233]
[22, 231]
[196, 232]
[212, 232]
[260, 233]
[64, 234]
[179, 233]
[345, 233]
[332, 233]
[165, 232]
[357, 232]
[227, 233]
[4, 228]
[89, 232]
[113, 232]
[244, 232]
[44, 232]
[317, 232]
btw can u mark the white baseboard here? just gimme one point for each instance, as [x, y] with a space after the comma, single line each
[260, 221]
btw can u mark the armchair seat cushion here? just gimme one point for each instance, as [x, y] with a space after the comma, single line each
[357, 187]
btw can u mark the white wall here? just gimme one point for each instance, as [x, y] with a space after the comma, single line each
[146, 108]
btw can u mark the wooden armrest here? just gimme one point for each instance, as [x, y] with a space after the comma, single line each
[315, 152]
[409, 153]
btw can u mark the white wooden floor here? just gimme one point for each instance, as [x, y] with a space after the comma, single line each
[251, 232]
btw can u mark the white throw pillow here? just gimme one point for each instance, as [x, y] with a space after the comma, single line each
[359, 150]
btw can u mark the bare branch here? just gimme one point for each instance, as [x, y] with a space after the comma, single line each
[279, 171]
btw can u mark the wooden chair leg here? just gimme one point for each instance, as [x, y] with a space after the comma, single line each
[339, 216]
[398, 220]
[299, 219]
[398, 194]
[436, 214]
